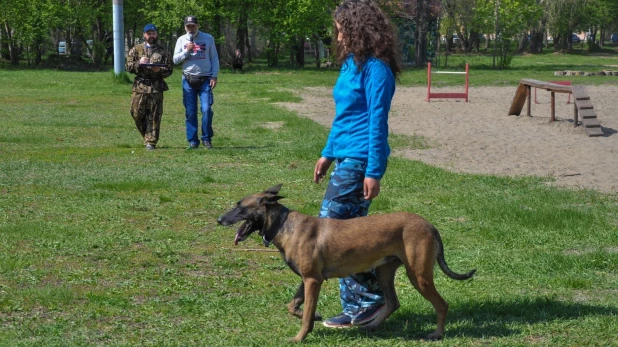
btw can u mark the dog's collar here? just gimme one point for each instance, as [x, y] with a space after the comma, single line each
[276, 226]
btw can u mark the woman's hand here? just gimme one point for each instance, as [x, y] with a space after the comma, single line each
[321, 167]
[371, 188]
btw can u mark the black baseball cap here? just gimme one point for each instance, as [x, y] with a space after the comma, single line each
[191, 20]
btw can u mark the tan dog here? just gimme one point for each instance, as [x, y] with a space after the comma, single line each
[320, 248]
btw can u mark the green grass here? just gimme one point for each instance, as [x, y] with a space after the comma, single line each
[105, 243]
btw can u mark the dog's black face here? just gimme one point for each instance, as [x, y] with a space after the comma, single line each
[252, 210]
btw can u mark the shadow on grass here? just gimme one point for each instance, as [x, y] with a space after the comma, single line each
[478, 319]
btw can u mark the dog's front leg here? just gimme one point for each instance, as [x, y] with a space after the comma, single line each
[312, 292]
[297, 301]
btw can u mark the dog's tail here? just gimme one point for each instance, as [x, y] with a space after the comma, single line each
[450, 273]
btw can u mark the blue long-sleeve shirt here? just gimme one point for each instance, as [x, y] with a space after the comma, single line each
[360, 127]
[203, 60]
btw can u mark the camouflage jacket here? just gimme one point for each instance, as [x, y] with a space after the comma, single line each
[146, 80]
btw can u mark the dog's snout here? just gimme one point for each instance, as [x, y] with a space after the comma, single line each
[220, 220]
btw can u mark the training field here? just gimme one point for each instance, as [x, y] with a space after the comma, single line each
[105, 243]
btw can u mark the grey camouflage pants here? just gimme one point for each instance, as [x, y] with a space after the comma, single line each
[344, 200]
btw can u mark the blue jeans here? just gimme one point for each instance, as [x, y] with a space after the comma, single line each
[344, 200]
[189, 100]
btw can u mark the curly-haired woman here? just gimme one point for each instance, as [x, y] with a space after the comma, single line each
[368, 51]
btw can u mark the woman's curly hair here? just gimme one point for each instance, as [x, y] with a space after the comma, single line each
[367, 31]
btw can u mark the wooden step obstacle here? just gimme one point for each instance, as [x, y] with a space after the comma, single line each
[582, 106]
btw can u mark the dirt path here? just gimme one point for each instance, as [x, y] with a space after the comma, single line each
[479, 137]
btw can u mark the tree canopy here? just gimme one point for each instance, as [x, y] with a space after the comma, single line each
[28, 27]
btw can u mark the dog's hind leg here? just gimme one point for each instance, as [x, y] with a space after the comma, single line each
[386, 278]
[297, 302]
[423, 282]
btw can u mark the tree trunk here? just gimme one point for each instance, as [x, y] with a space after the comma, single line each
[420, 34]
[38, 55]
[97, 49]
[300, 52]
[249, 54]
[521, 45]
[536, 42]
[293, 48]
[68, 39]
[217, 32]
[593, 45]
[241, 31]
[272, 53]
[4, 45]
[316, 41]
[474, 40]
[449, 43]
[14, 50]
[569, 40]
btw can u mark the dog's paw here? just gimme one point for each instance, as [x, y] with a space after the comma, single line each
[297, 339]
[298, 313]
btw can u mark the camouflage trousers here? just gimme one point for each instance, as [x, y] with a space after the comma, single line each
[146, 110]
[344, 200]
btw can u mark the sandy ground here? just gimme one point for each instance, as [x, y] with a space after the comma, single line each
[479, 136]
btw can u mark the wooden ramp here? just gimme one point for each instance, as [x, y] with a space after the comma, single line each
[519, 100]
[523, 93]
[584, 107]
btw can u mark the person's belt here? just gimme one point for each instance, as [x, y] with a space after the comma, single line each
[194, 77]
[146, 81]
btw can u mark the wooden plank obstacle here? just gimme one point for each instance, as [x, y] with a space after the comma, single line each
[582, 106]
[564, 83]
[431, 95]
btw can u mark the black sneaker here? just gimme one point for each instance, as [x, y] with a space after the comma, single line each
[340, 321]
[366, 315]
[207, 144]
[193, 145]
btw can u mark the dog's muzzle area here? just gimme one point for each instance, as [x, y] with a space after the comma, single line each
[243, 232]
[247, 228]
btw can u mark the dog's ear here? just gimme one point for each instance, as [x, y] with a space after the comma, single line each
[274, 190]
[270, 199]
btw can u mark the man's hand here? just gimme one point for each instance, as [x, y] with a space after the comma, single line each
[371, 188]
[213, 82]
[321, 167]
[190, 46]
[144, 60]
